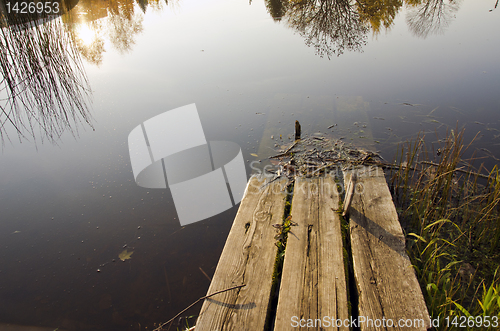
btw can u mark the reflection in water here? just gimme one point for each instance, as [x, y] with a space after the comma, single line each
[124, 24]
[333, 26]
[431, 16]
[496, 5]
[44, 85]
[378, 13]
[277, 8]
[92, 21]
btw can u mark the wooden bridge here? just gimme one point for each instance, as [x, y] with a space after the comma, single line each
[339, 273]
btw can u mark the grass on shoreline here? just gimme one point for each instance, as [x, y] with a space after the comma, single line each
[451, 216]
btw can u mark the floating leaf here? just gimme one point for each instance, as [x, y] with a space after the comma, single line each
[253, 154]
[125, 255]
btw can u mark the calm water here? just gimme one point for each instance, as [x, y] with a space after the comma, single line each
[70, 205]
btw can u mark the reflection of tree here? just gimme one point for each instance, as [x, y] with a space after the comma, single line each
[118, 20]
[87, 13]
[93, 51]
[431, 16]
[123, 24]
[143, 4]
[331, 26]
[277, 8]
[378, 12]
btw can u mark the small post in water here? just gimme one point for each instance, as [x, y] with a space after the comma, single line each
[297, 130]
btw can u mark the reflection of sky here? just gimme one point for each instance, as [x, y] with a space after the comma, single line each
[232, 60]
[264, 56]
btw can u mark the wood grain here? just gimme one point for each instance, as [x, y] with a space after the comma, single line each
[247, 258]
[313, 284]
[386, 281]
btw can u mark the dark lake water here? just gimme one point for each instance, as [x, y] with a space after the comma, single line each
[383, 71]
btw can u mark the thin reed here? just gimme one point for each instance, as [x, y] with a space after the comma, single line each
[44, 86]
[450, 212]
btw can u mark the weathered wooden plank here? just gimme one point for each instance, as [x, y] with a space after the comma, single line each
[313, 283]
[247, 258]
[386, 281]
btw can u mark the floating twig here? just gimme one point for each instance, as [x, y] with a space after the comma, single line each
[204, 273]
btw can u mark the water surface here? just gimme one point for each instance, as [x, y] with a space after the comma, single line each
[381, 71]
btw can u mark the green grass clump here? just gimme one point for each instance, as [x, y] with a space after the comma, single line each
[451, 215]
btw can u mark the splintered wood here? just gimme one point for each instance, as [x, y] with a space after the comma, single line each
[247, 258]
[386, 282]
[313, 284]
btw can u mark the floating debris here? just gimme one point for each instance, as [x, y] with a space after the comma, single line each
[317, 155]
[433, 111]
[125, 255]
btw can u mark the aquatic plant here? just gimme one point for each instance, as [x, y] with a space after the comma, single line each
[450, 212]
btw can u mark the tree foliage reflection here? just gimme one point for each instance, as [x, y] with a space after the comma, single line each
[429, 17]
[118, 21]
[277, 8]
[378, 13]
[334, 26]
[330, 26]
[123, 24]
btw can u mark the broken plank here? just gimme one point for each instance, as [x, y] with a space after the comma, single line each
[313, 283]
[247, 258]
[386, 282]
